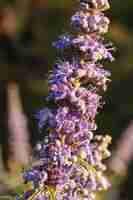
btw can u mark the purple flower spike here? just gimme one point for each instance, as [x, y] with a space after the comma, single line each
[70, 158]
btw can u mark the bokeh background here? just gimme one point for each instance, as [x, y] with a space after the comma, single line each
[27, 29]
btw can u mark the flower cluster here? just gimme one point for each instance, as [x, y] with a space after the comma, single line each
[71, 155]
[90, 23]
[100, 5]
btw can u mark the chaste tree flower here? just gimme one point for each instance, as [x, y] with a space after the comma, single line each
[71, 156]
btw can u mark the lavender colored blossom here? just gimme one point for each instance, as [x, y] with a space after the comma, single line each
[71, 156]
[45, 116]
[92, 47]
[95, 4]
[90, 23]
[63, 42]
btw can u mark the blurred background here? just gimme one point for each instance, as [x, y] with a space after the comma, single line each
[27, 29]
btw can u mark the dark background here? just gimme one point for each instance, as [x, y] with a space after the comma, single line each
[26, 56]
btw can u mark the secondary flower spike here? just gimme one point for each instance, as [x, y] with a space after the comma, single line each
[71, 156]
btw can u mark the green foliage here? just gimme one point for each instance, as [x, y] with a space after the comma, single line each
[6, 2]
